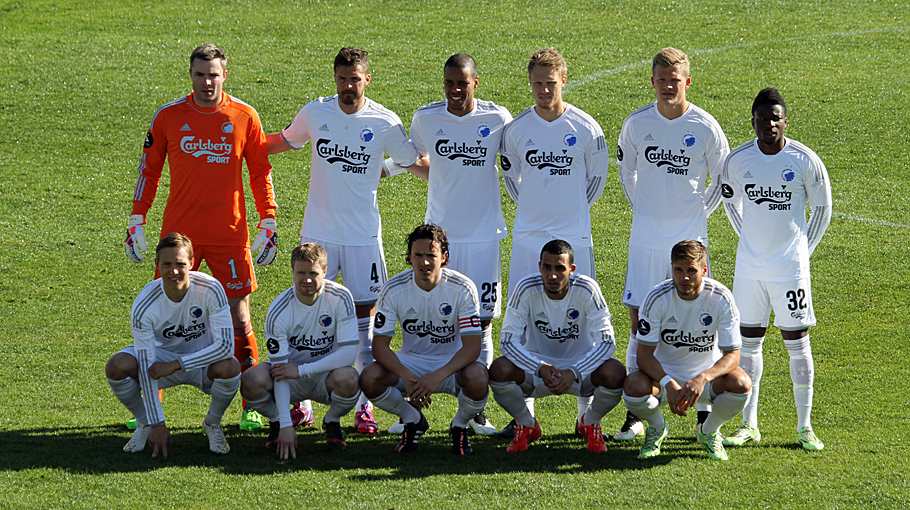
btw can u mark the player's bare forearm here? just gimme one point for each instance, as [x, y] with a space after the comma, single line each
[284, 371]
[161, 369]
[648, 364]
[383, 354]
[421, 168]
[721, 367]
[275, 144]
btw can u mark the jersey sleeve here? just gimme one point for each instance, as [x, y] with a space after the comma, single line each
[222, 328]
[597, 161]
[144, 345]
[728, 334]
[650, 316]
[469, 311]
[818, 191]
[715, 158]
[511, 166]
[151, 164]
[601, 330]
[417, 134]
[297, 134]
[386, 315]
[398, 146]
[731, 190]
[257, 163]
[514, 324]
[627, 161]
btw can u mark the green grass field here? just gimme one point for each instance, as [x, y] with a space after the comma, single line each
[78, 86]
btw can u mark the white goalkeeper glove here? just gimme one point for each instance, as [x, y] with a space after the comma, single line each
[268, 240]
[135, 238]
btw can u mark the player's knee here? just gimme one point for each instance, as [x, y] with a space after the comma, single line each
[637, 384]
[345, 381]
[120, 366]
[256, 382]
[610, 374]
[501, 370]
[370, 380]
[476, 378]
[738, 381]
[224, 369]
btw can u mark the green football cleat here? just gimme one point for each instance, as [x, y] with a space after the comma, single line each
[742, 435]
[714, 444]
[808, 440]
[653, 439]
[131, 424]
[251, 420]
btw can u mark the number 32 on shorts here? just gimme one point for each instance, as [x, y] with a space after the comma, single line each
[797, 299]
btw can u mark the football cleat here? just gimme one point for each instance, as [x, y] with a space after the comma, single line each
[301, 416]
[460, 443]
[742, 435]
[364, 420]
[411, 434]
[131, 424]
[217, 442]
[272, 442]
[594, 435]
[653, 439]
[808, 440]
[334, 437]
[250, 420]
[507, 432]
[140, 437]
[523, 437]
[713, 443]
[481, 424]
[632, 428]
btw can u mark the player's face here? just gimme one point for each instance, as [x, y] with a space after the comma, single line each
[308, 280]
[670, 84]
[459, 85]
[555, 270]
[427, 260]
[687, 277]
[174, 264]
[770, 121]
[546, 85]
[208, 77]
[351, 82]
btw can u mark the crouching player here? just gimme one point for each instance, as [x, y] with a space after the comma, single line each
[311, 332]
[440, 342]
[688, 352]
[182, 334]
[569, 347]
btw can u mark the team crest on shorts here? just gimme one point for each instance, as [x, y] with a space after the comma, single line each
[325, 320]
[195, 312]
[705, 319]
[445, 309]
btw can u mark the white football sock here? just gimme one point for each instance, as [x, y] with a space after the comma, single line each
[129, 394]
[632, 354]
[646, 409]
[339, 406]
[604, 400]
[467, 410]
[265, 406]
[223, 391]
[393, 402]
[511, 398]
[486, 346]
[752, 361]
[726, 406]
[802, 374]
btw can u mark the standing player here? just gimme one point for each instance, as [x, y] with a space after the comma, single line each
[767, 184]
[687, 352]
[352, 134]
[569, 347]
[311, 335]
[181, 335]
[672, 147]
[440, 342]
[461, 137]
[205, 137]
[551, 151]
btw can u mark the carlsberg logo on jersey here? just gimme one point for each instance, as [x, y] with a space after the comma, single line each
[187, 333]
[440, 334]
[472, 155]
[557, 163]
[777, 200]
[317, 346]
[676, 163]
[216, 152]
[352, 161]
[684, 339]
[562, 334]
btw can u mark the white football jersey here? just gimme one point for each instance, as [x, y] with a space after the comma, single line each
[433, 322]
[347, 154]
[300, 334]
[765, 198]
[689, 335]
[573, 332]
[664, 165]
[554, 171]
[198, 330]
[463, 195]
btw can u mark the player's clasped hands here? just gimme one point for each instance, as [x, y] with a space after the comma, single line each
[282, 371]
[558, 381]
[420, 390]
[682, 399]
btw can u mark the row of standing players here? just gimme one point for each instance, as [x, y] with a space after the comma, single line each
[551, 149]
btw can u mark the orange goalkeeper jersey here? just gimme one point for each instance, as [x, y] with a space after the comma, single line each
[204, 148]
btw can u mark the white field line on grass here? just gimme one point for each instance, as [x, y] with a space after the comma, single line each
[584, 80]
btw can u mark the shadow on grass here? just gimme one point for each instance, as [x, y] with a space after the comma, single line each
[98, 450]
